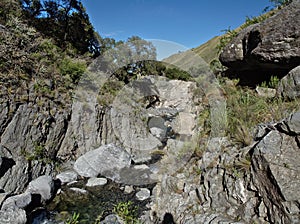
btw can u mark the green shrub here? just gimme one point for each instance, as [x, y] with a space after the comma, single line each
[246, 109]
[272, 83]
[73, 69]
[175, 73]
[108, 91]
[73, 219]
[127, 211]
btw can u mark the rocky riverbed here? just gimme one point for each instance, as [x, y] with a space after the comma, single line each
[147, 146]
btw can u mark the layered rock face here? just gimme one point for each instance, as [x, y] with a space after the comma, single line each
[265, 49]
[259, 183]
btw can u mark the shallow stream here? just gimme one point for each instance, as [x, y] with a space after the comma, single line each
[93, 205]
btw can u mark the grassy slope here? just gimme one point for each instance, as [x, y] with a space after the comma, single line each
[208, 51]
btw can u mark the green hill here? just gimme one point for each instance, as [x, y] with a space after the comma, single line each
[208, 51]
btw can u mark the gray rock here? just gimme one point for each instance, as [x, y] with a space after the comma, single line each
[112, 219]
[17, 202]
[78, 190]
[106, 160]
[13, 216]
[275, 168]
[143, 194]
[93, 181]
[44, 186]
[67, 176]
[3, 197]
[265, 92]
[34, 123]
[158, 133]
[291, 124]
[268, 48]
[128, 189]
[289, 86]
[184, 124]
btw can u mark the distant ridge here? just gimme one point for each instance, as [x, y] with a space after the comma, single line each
[207, 51]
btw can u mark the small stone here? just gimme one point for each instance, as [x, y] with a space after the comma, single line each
[265, 92]
[112, 219]
[128, 189]
[141, 167]
[78, 190]
[67, 176]
[143, 194]
[92, 182]
[72, 183]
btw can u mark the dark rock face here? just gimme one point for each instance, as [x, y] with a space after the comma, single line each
[29, 134]
[269, 48]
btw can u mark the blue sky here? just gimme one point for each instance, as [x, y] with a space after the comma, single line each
[187, 23]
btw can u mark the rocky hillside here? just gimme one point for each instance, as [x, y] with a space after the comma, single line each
[199, 150]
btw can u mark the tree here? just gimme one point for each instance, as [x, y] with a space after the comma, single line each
[66, 21]
[126, 60]
[9, 8]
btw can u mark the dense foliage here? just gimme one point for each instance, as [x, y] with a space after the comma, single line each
[66, 21]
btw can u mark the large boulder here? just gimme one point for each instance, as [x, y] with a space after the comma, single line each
[269, 48]
[289, 86]
[276, 172]
[107, 160]
[13, 209]
[17, 216]
[44, 186]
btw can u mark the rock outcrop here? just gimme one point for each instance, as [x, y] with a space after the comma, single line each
[268, 48]
[15, 209]
[289, 86]
[259, 183]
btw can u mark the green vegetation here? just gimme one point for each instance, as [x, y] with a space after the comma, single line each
[109, 91]
[272, 83]
[226, 38]
[72, 69]
[208, 51]
[127, 211]
[245, 109]
[65, 21]
[175, 73]
[73, 219]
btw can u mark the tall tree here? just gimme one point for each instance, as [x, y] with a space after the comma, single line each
[64, 20]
